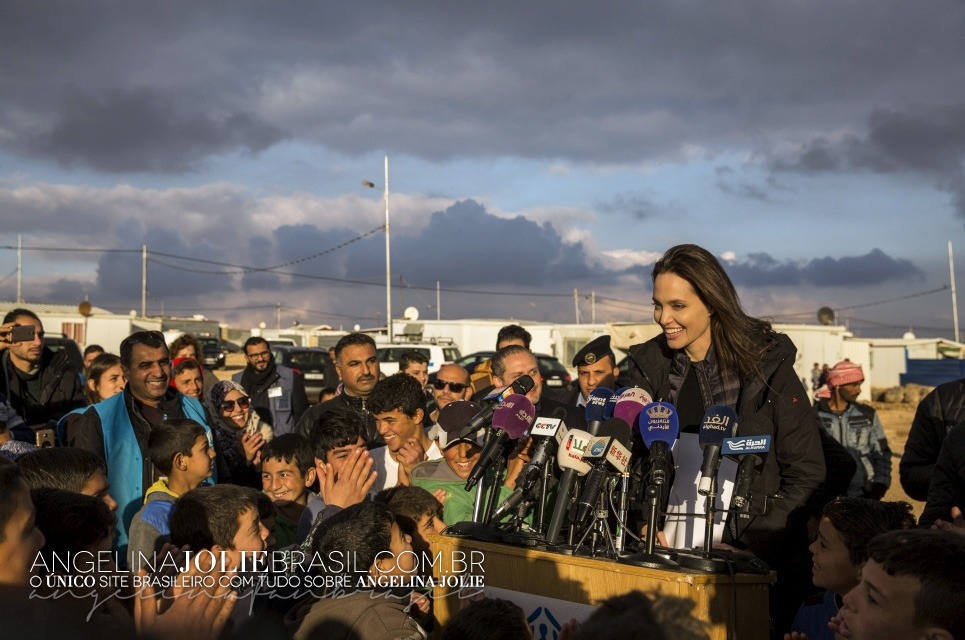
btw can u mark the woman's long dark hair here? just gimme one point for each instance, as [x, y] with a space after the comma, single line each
[738, 339]
[98, 367]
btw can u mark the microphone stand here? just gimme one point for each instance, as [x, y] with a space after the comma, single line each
[498, 467]
[599, 528]
[541, 500]
[650, 558]
[706, 560]
[622, 505]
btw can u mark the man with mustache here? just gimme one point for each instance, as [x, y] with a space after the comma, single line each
[118, 428]
[358, 369]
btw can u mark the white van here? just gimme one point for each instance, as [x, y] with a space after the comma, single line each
[438, 355]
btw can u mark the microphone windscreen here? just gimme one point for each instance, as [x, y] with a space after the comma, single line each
[611, 402]
[570, 453]
[514, 415]
[635, 393]
[719, 422]
[596, 404]
[630, 404]
[523, 384]
[617, 429]
[659, 422]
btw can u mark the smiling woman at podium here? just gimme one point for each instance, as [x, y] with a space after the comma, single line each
[710, 353]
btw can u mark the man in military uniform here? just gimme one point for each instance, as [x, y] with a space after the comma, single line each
[596, 366]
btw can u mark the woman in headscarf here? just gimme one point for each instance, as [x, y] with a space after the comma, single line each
[238, 431]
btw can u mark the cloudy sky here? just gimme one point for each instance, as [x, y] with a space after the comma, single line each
[535, 148]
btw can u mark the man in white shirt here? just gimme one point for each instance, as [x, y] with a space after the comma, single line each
[398, 405]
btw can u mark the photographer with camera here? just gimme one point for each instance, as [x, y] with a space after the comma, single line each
[40, 385]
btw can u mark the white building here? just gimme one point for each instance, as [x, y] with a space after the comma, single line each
[99, 327]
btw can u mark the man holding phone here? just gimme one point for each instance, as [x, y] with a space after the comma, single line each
[39, 384]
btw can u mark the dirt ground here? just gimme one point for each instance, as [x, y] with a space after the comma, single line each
[896, 419]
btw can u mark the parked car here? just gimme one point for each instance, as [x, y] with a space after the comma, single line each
[438, 355]
[60, 343]
[310, 362]
[555, 376]
[231, 347]
[212, 352]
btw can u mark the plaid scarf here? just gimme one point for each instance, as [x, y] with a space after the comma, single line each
[716, 386]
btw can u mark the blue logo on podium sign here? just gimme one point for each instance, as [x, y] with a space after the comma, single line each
[543, 624]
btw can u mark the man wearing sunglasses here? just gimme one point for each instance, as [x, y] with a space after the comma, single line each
[118, 428]
[451, 384]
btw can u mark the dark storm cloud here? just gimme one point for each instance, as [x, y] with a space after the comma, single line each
[928, 141]
[144, 131]
[465, 245]
[66, 291]
[872, 268]
[745, 190]
[875, 267]
[636, 206]
[540, 80]
[119, 274]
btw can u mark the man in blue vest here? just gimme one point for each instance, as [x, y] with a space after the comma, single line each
[117, 429]
[277, 392]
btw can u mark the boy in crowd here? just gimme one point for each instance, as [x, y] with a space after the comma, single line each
[221, 518]
[179, 449]
[488, 619]
[460, 455]
[224, 519]
[399, 406]
[416, 365]
[287, 475]
[377, 545]
[20, 539]
[416, 510]
[912, 588]
[840, 551]
[67, 469]
[338, 435]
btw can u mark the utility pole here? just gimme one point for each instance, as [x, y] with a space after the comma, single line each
[143, 280]
[951, 273]
[19, 268]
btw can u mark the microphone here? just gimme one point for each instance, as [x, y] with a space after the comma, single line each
[659, 428]
[548, 433]
[610, 446]
[511, 418]
[719, 422]
[570, 458]
[521, 386]
[611, 402]
[630, 404]
[595, 406]
[751, 451]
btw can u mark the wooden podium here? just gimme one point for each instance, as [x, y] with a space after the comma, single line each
[734, 606]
